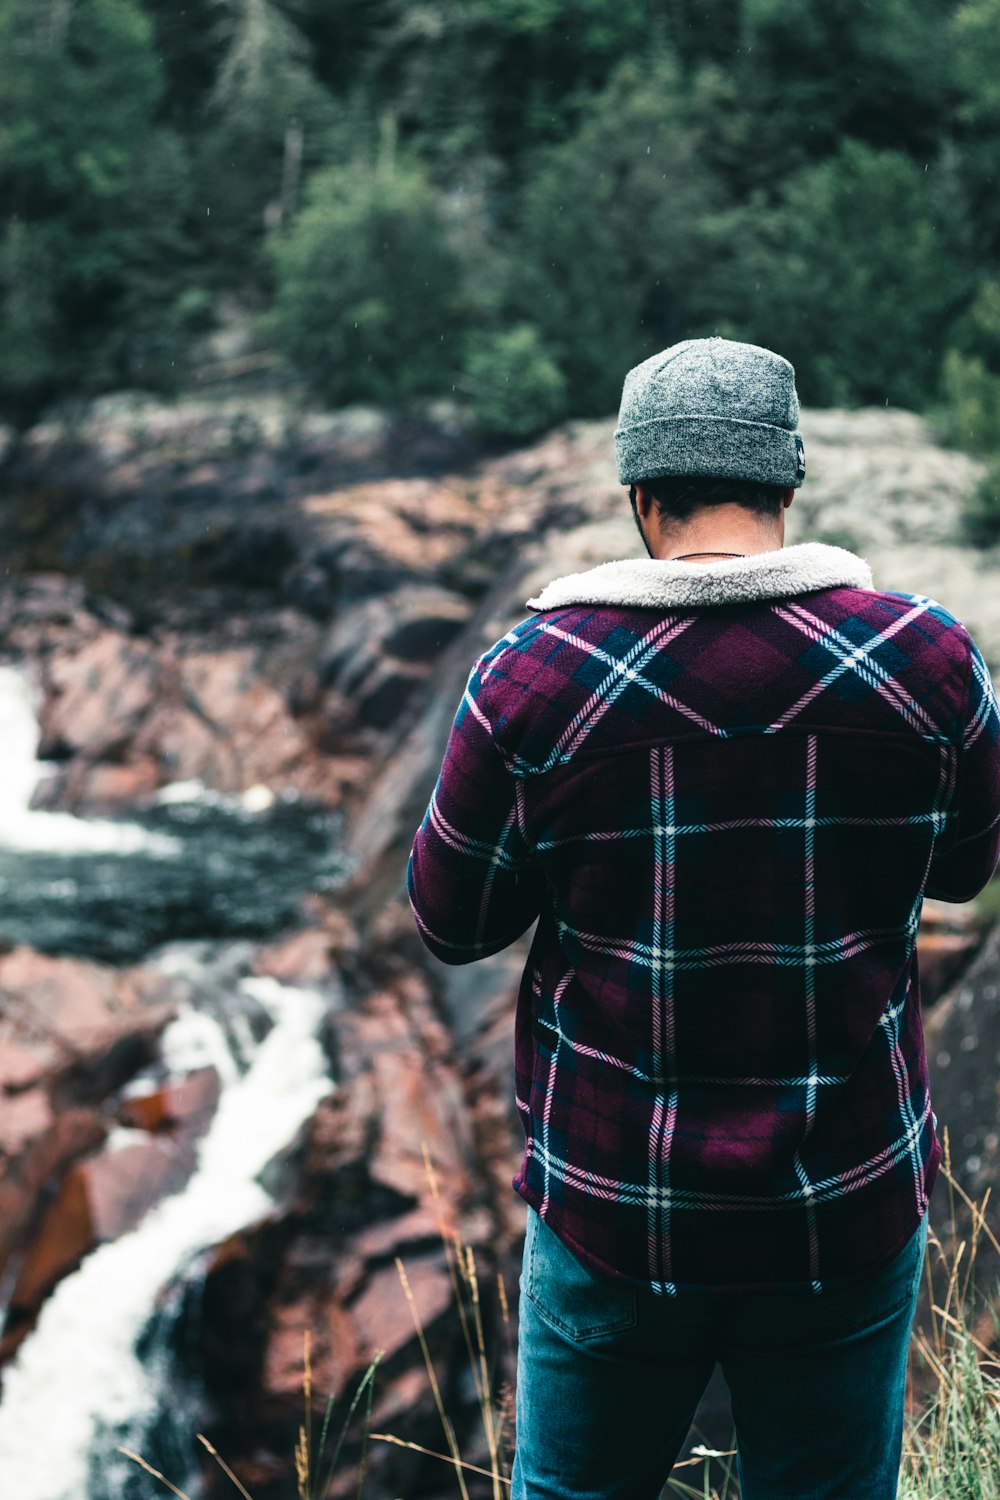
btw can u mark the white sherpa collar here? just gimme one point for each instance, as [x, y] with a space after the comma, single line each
[647, 582]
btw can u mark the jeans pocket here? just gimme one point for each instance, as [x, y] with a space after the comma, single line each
[581, 1304]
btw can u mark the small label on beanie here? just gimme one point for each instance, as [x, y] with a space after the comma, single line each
[800, 456]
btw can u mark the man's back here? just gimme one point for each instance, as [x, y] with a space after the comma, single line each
[727, 816]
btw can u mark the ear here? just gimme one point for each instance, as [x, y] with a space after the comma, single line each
[789, 497]
[643, 500]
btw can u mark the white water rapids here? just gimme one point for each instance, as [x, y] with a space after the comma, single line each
[21, 827]
[78, 1368]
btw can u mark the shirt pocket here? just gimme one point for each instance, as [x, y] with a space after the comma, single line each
[577, 1302]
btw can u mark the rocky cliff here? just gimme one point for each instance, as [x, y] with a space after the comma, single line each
[250, 598]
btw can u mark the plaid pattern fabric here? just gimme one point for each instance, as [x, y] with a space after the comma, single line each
[725, 821]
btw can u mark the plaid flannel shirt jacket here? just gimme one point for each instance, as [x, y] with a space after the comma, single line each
[723, 792]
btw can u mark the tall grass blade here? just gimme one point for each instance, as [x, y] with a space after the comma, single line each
[331, 1467]
[224, 1466]
[138, 1459]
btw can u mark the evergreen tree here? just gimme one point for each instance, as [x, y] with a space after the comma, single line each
[848, 274]
[93, 190]
[610, 232]
[264, 122]
[976, 43]
[368, 292]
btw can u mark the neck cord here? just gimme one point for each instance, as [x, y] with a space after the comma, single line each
[685, 555]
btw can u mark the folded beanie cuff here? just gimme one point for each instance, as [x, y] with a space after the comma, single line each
[710, 446]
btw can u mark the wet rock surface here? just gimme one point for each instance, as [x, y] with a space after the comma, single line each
[963, 1049]
[250, 597]
[71, 1035]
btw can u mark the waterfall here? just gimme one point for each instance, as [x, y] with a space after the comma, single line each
[78, 1373]
[22, 827]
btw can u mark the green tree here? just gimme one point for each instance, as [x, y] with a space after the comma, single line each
[976, 50]
[368, 291]
[813, 73]
[93, 189]
[610, 233]
[264, 123]
[515, 388]
[847, 274]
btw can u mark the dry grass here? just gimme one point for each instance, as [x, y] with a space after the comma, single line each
[952, 1447]
[495, 1405]
[315, 1464]
[951, 1444]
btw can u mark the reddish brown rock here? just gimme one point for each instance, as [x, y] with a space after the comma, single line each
[947, 941]
[71, 1033]
[305, 957]
[123, 1185]
[24, 1118]
[47, 1143]
[105, 1196]
[127, 717]
[65, 1236]
[183, 1107]
[334, 1352]
[73, 1008]
[109, 788]
[963, 1054]
[383, 1316]
[20, 1066]
[98, 1200]
[97, 697]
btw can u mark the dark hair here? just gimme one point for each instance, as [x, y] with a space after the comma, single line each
[678, 496]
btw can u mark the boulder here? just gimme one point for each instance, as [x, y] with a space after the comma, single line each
[948, 938]
[184, 1107]
[380, 652]
[71, 1034]
[74, 1010]
[106, 1195]
[98, 1200]
[963, 1053]
[412, 624]
[304, 957]
[97, 697]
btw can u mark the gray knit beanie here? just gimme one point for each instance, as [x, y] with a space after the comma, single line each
[711, 407]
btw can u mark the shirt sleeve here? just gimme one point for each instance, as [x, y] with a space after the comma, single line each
[472, 882]
[968, 853]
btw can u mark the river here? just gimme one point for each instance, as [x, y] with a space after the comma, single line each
[183, 883]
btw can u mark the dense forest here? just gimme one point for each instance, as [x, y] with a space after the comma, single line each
[504, 201]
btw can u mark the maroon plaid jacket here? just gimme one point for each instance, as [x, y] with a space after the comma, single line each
[723, 792]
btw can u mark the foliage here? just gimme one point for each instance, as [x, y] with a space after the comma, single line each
[976, 54]
[616, 174]
[848, 275]
[971, 417]
[874, 73]
[95, 193]
[952, 1447]
[266, 121]
[366, 300]
[514, 386]
[607, 241]
[981, 514]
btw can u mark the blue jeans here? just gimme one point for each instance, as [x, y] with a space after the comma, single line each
[609, 1376]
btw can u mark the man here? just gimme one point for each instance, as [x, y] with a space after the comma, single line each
[722, 779]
